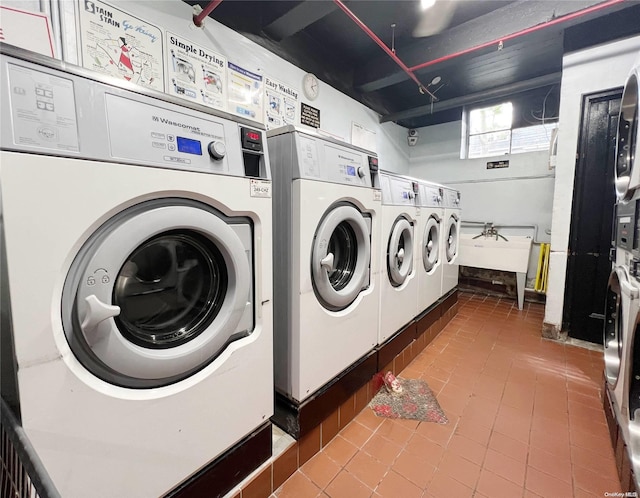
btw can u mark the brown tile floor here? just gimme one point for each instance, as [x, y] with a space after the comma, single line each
[525, 419]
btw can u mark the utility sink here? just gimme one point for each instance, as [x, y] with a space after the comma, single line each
[496, 253]
[500, 254]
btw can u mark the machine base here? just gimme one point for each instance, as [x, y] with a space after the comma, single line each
[395, 345]
[623, 463]
[229, 469]
[299, 419]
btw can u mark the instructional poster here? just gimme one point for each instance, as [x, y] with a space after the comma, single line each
[195, 73]
[281, 104]
[118, 44]
[245, 93]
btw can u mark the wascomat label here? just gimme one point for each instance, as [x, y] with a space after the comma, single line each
[260, 188]
[43, 110]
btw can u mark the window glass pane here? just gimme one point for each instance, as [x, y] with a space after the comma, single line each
[494, 118]
[489, 144]
[532, 138]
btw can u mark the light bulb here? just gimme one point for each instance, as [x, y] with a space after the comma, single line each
[425, 4]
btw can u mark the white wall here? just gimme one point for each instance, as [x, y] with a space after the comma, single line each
[337, 111]
[521, 194]
[587, 71]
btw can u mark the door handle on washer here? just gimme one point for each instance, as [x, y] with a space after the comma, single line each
[327, 262]
[96, 313]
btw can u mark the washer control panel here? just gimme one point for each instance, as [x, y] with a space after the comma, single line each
[72, 113]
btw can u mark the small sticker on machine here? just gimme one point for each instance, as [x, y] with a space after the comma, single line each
[377, 195]
[626, 219]
[260, 188]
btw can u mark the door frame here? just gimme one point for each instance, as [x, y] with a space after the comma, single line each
[577, 201]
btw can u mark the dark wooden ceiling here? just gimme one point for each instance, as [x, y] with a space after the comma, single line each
[317, 36]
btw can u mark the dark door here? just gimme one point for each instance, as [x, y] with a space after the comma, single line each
[594, 200]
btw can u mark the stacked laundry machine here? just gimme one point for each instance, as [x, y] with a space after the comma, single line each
[326, 262]
[135, 242]
[399, 253]
[622, 316]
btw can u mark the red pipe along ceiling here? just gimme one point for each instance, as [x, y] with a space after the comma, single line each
[197, 19]
[410, 70]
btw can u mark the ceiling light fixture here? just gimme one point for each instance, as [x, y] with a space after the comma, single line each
[425, 4]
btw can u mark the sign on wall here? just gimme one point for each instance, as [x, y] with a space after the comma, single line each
[498, 164]
[281, 104]
[121, 45]
[245, 93]
[195, 73]
[309, 116]
[29, 30]
[363, 137]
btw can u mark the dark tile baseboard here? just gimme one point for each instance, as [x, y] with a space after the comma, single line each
[227, 471]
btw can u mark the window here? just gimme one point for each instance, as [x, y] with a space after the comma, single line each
[491, 133]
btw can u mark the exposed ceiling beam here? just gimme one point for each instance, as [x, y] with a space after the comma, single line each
[514, 17]
[474, 98]
[298, 18]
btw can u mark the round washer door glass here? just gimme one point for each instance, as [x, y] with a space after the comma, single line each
[340, 257]
[430, 244]
[158, 291]
[170, 289]
[400, 252]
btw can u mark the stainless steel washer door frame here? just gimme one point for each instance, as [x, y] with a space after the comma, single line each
[627, 137]
[613, 332]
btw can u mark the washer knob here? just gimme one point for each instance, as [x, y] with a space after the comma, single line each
[361, 172]
[217, 150]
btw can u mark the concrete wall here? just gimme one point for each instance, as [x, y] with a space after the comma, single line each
[583, 72]
[521, 194]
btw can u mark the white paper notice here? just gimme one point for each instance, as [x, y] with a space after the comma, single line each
[363, 137]
[245, 93]
[43, 109]
[281, 104]
[29, 30]
[196, 73]
[118, 44]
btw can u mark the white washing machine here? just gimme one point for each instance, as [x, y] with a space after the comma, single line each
[450, 239]
[621, 310]
[399, 253]
[628, 258]
[326, 223]
[429, 235]
[138, 266]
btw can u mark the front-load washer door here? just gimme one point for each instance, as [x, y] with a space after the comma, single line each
[158, 292]
[341, 256]
[431, 244]
[613, 333]
[451, 241]
[400, 251]
[626, 138]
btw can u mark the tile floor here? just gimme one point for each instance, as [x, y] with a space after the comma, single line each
[525, 420]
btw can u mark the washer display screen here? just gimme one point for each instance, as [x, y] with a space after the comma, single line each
[189, 146]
